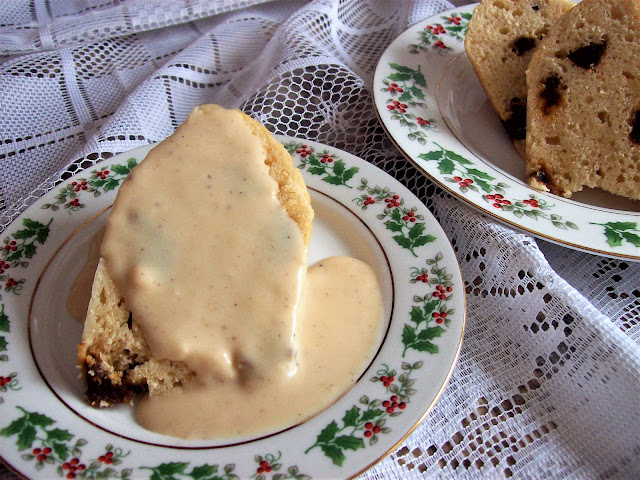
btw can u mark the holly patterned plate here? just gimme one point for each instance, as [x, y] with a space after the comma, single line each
[432, 105]
[48, 431]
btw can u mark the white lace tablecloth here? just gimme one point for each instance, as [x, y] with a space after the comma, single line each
[548, 382]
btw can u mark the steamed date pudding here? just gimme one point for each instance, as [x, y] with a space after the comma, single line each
[202, 304]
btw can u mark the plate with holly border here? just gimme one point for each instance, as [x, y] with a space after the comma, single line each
[433, 107]
[46, 428]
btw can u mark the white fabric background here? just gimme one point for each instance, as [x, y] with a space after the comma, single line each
[548, 382]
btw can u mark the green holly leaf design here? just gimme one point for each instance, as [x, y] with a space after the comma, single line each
[371, 414]
[111, 184]
[399, 77]
[622, 226]
[121, 169]
[460, 160]
[450, 162]
[393, 226]
[431, 308]
[24, 234]
[42, 234]
[26, 428]
[29, 250]
[413, 238]
[408, 335]
[100, 182]
[421, 340]
[332, 169]
[26, 436]
[484, 185]
[4, 320]
[334, 441]
[415, 231]
[446, 166]
[430, 333]
[425, 346]
[39, 419]
[401, 68]
[417, 315]
[632, 238]
[13, 428]
[316, 170]
[614, 238]
[618, 232]
[58, 434]
[433, 155]
[334, 453]
[204, 472]
[419, 78]
[328, 433]
[60, 449]
[338, 167]
[24, 242]
[405, 88]
[409, 232]
[3, 344]
[350, 418]
[471, 179]
[417, 92]
[404, 242]
[167, 471]
[349, 173]
[33, 225]
[407, 73]
[423, 240]
[406, 96]
[349, 442]
[333, 180]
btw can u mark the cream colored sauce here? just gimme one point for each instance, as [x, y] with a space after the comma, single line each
[80, 292]
[339, 328]
[208, 261]
[213, 270]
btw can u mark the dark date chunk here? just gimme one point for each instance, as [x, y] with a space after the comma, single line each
[101, 391]
[542, 176]
[634, 134]
[588, 56]
[522, 45]
[552, 92]
[516, 123]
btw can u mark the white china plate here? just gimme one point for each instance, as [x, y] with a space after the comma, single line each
[47, 430]
[432, 105]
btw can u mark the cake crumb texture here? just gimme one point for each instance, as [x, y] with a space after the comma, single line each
[583, 103]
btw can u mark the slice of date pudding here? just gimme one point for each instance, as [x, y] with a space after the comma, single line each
[583, 104]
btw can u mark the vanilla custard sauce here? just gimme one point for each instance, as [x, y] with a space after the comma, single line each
[215, 272]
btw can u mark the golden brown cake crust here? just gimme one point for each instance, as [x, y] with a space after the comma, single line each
[114, 357]
[583, 121]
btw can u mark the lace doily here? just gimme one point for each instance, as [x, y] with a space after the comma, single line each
[548, 382]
